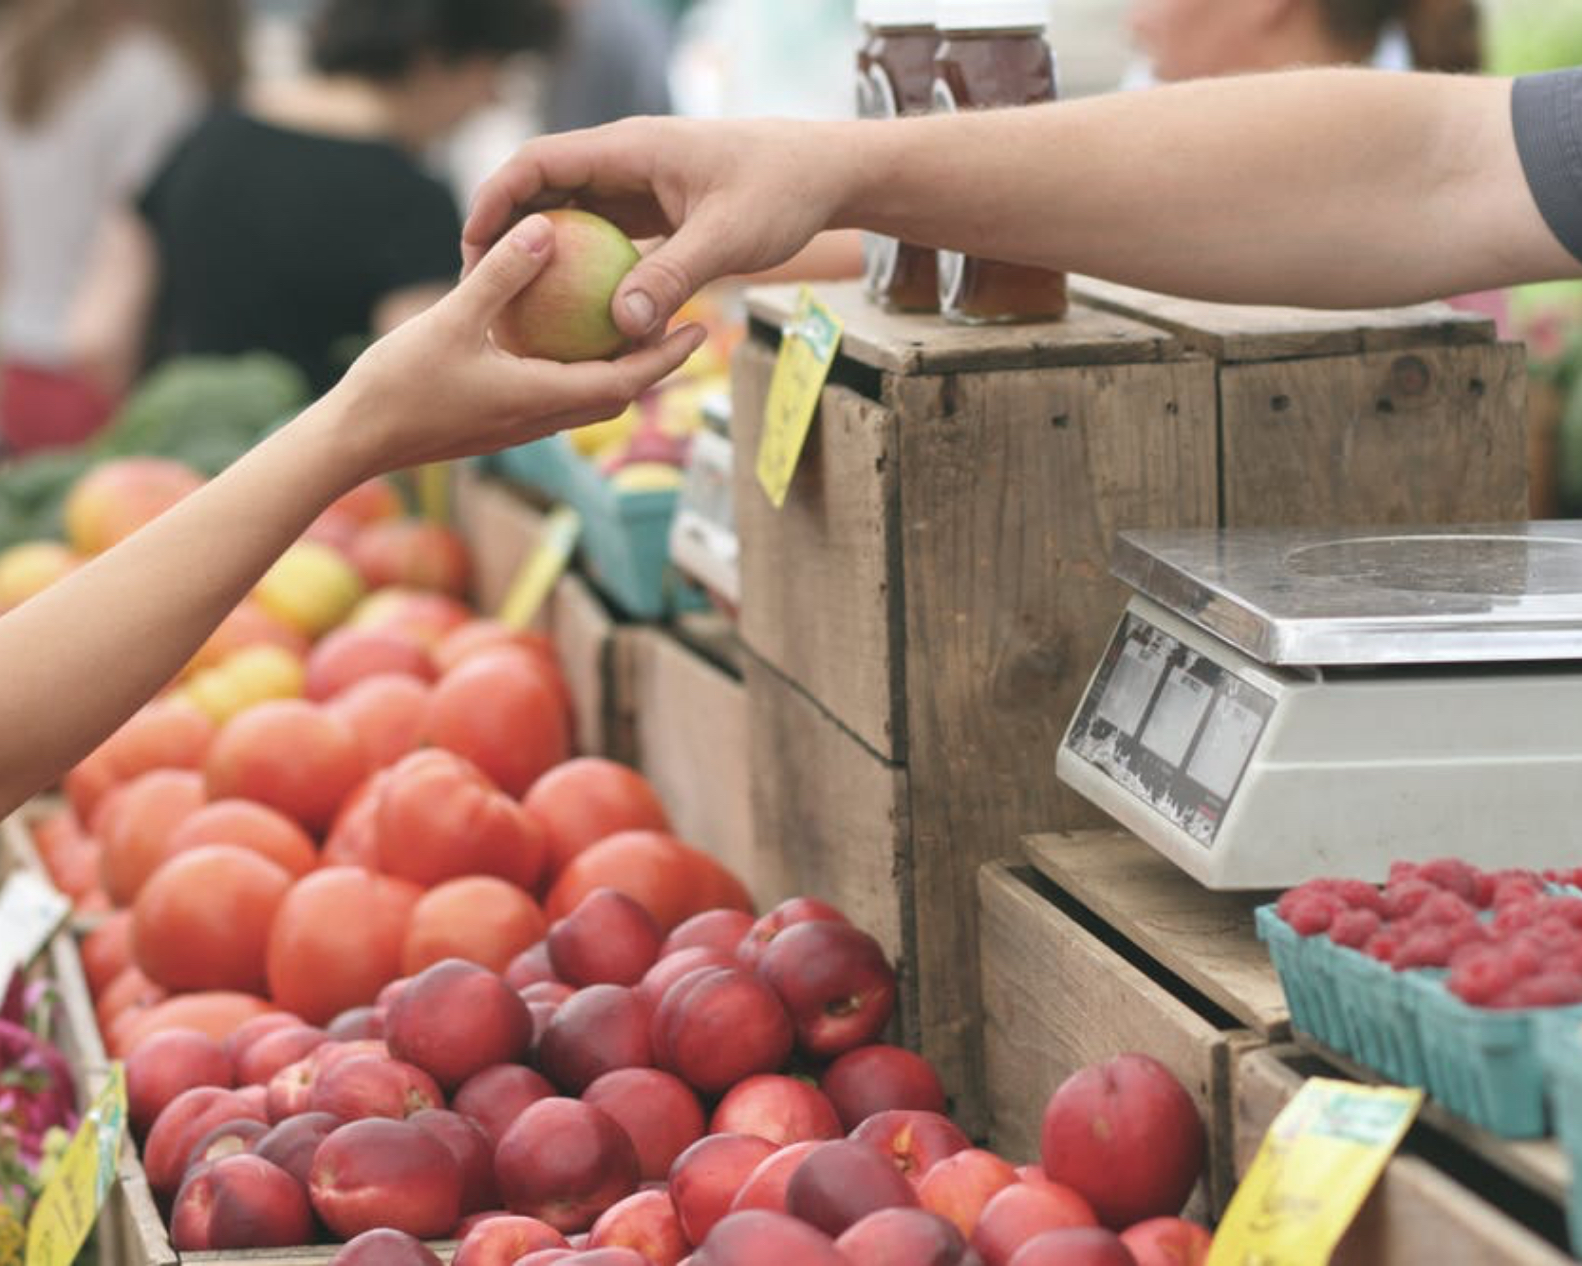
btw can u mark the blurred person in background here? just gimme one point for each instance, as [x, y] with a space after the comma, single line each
[93, 94]
[1196, 39]
[614, 61]
[302, 220]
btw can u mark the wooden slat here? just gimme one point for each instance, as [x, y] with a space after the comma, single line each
[1426, 436]
[1207, 938]
[584, 633]
[829, 819]
[1241, 332]
[1013, 488]
[1416, 1214]
[820, 575]
[1057, 999]
[911, 344]
[690, 723]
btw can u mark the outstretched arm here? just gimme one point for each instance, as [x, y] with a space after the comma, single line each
[84, 654]
[1325, 188]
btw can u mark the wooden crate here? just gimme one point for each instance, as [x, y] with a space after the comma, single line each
[1099, 947]
[934, 594]
[1436, 1200]
[935, 591]
[684, 726]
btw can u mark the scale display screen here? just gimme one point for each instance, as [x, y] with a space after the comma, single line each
[1171, 726]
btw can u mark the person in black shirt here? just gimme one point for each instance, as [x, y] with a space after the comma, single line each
[301, 222]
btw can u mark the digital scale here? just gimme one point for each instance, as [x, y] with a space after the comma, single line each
[1282, 704]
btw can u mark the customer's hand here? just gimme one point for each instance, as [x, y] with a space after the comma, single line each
[727, 198]
[438, 387]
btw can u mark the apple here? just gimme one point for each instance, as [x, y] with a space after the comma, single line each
[565, 313]
[840, 1183]
[1127, 1135]
[645, 1221]
[379, 1172]
[1018, 1213]
[706, 1177]
[240, 1201]
[757, 1237]
[179, 1126]
[495, 1097]
[373, 1086]
[607, 939]
[835, 982]
[905, 1237]
[958, 1187]
[597, 1030]
[262, 1059]
[878, 1078]
[415, 553]
[1074, 1246]
[1168, 1242]
[565, 1162]
[765, 1187]
[385, 1247]
[658, 1110]
[672, 967]
[780, 1109]
[455, 1019]
[231, 1138]
[752, 944]
[716, 1026]
[473, 1151]
[291, 1142]
[913, 1141]
[500, 1240]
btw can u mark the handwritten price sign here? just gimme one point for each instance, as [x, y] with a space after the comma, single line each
[807, 350]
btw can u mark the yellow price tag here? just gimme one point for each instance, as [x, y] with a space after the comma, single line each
[1314, 1171]
[541, 569]
[433, 491]
[807, 350]
[74, 1194]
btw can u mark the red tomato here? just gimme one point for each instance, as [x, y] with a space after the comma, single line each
[440, 818]
[480, 918]
[336, 941]
[582, 801]
[414, 553]
[202, 919]
[503, 713]
[388, 712]
[248, 824]
[346, 656]
[141, 818]
[672, 880]
[292, 755]
[218, 1013]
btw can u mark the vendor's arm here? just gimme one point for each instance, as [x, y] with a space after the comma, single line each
[1324, 188]
[84, 654]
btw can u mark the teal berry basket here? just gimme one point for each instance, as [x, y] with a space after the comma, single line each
[625, 544]
[1486, 1065]
[1308, 977]
[1560, 1048]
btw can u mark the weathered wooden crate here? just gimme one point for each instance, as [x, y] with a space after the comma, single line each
[1449, 1200]
[1098, 947]
[924, 612]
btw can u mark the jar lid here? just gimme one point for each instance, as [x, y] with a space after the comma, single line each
[896, 12]
[991, 15]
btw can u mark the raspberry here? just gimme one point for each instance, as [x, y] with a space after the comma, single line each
[1453, 875]
[1513, 916]
[1425, 947]
[1354, 927]
[1445, 909]
[1480, 976]
[1467, 934]
[1524, 953]
[1383, 945]
[1567, 908]
[1555, 934]
[1401, 900]
[1360, 895]
[1516, 885]
[1400, 872]
[1320, 889]
[1552, 989]
[1311, 915]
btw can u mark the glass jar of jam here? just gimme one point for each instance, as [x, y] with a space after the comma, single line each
[895, 77]
[993, 53]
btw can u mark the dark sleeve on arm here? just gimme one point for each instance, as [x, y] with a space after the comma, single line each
[1547, 113]
[419, 243]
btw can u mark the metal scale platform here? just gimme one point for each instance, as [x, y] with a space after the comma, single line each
[1282, 704]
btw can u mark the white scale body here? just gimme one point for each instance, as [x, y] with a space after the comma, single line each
[1279, 705]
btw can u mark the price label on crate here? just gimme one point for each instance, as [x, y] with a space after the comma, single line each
[542, 568]
[31, 912]
[807, 350]
[75, 1192]
[703, 541]
[1314, 1171]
